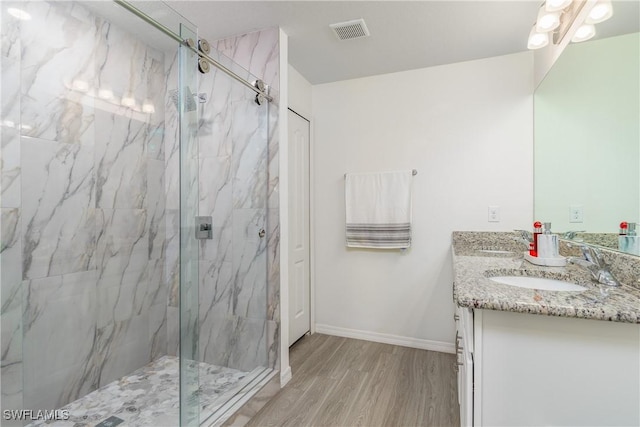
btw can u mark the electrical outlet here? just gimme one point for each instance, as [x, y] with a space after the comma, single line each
[576, 213]
[494, 213]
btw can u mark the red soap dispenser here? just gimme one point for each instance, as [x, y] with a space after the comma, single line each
[537, 230]
[624, 227]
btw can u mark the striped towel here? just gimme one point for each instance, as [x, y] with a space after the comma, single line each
[378, 209]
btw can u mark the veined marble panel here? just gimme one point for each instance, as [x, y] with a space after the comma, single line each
[258, 52]
[121, 348]
[9, 34]
[158, 331]
[173, 331]
[59, 336]
[122, 259]
[131, 70]
[58, 71]
[233, 341]
[10, 167]
[59, 224]
[10, 261]
[273, 266]
[216, 289]
[250, 156]
[156, 222]
[172, 261]
[11, 310]
[171, 135]
[121, 160]
[250, 263]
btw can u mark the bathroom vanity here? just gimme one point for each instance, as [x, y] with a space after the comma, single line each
[527, 356]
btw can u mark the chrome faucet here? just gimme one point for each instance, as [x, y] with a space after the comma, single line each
[525, 237]
[570, 235]
[593, 261]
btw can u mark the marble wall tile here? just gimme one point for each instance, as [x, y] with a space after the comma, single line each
[172, 260]
[59, 221]
[250, 263]
[10, 260]
[158, 331]
[9, 34]
[216, 289]
[234, 342]
[250, 156]
[57, 359]
[155, 204]
[10, 168]
[257, 52]
[121, 160]
[58, 71]
[273, 265]
[173, 331]
[122, 259]
[121, 348]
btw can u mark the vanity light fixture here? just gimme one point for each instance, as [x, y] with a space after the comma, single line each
[584, 33]
[602, 11]
[555, 17]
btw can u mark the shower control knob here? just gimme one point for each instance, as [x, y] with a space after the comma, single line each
[261, 233]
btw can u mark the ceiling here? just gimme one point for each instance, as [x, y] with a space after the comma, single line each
[404, 34]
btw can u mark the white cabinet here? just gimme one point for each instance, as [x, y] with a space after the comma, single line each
[543, 370]
[464, 363]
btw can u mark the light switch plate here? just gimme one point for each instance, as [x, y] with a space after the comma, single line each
[494, 213]
[576, 213]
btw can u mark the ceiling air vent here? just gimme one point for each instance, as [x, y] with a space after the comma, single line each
[350, 29]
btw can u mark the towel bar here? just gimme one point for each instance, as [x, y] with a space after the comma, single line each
[414, 172]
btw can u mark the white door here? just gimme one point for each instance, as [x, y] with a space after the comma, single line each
[299, 280]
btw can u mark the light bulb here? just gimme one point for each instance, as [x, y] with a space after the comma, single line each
[583, 33]
[105, 93]
[128, 101]
[547, 21]
[556, 5]
[602, 11]
[19, 14]
[148, 107]
[537, 40]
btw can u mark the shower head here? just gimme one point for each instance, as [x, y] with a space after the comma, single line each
[190, 103]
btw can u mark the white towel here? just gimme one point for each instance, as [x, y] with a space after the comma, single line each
[378, 209]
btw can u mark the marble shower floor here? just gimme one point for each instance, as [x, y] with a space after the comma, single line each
[150, 396]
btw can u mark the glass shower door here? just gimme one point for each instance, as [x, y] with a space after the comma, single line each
[224, 324]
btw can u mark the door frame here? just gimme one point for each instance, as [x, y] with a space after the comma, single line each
[312, 263]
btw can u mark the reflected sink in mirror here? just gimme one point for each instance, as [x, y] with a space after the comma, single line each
[540, 283]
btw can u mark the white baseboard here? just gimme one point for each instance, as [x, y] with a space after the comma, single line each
[285, 376]
[443, 347]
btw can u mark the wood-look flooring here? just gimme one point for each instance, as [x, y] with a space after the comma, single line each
[346, 382]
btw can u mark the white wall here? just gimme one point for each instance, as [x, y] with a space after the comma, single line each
[300, 93]
[467, 129]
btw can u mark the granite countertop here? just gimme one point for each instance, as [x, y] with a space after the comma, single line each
[475, 260]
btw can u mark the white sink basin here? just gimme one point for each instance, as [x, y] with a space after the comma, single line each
[538, 283]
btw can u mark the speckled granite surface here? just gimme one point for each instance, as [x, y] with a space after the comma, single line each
[472, 287]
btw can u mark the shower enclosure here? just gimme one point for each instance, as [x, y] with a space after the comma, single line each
[135, 245]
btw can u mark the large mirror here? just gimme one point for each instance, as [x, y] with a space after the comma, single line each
[587, 134]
